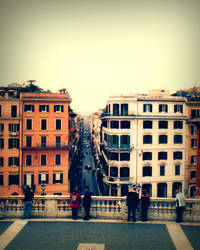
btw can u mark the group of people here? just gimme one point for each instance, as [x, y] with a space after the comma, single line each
[132, 203]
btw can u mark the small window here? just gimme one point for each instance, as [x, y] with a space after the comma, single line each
[113, 156]
[43, 141]
[1, 127]
[193, 130]
[147, 124]
[162, 155]
[177, 170]
[193, 159]
[193, 175]
[43, 178]
[147, 107]
[58, 124]
[124, 157]
[147, 171]
[43, 124]
[114, 124]
[43, 160]
[147, 139]
[194, 142]
[58, 141]
[0, 111]
[13, 143]
[28, 108]
[163, 124]
[178, 139]
[29, 124]
[178, 108]
[28, 160]
[162, 170]
[195, 113]
[58, 108]
[125, 125]
[13, 127]
[1, 143]
[1, 161]
[147, 156]
[178, 155]
[124, 109]
[58, 159]
[44, 108]
[13, 161]
[163, 139]
[57, 178]
[13, 179]
[178, 124]
[14, 111]
[115, 109]
[104, 123]
[163, 108]
[1, 180]
[125, 141]
[29, 141]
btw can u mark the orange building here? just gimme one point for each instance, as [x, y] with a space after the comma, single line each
[34, 130]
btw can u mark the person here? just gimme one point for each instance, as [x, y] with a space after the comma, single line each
[132, 202]
[28, 202]
[87, 203]
[74, 203]
[180, 206]
[145, 200]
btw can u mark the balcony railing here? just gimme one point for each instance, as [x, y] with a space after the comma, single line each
[102, 207]
[118, 114]
[47, 146]
[119, 180]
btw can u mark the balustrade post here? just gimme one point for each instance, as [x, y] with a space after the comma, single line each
[123, 209]
[51, 207]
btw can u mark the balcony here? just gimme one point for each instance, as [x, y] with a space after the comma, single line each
[103, 207]
[119, 180]
[129, 114]
[117, 148]
[43, 146]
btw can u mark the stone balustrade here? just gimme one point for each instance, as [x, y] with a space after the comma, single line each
[103, 207]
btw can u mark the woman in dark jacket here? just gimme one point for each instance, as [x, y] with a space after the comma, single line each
[145, 200]
[87, 203]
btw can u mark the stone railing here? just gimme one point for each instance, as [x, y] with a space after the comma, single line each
[103, 207]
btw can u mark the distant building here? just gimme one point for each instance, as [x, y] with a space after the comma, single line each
[143, 143]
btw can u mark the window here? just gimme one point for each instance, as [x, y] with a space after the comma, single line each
[195, 113]
[29, 179]
[113, 141]
[124, 109]
[43, 160]
[178, 155]
[29, 124]
[58, 108]
[124, 172]
[147, 156]
[162, 170]
[1, 161]
[193, 159]
[113, 172]
[162, 155]
[1, 143]
[13, 161]
[125, 141]
[125, 125]
[13, 179]
[115, 109]
[113, 156]
[28, 160]
[57, 178]
[13, 143]
[29, 141]
[147, 171]
[147, 139]
[178, 124]
[104, 123]
[193, 130]
[177, 169]
[114, 124]
[0, 111]
[13, 111]
[163, 124]
[1, 180]
[44, 108]
[1, 127]
[43, 124]
[163, 139]
[105, 137]
[147, 124]
[58, 159]
[163, 108]
[192, 174]
[13, 127]
[43, 141]
[178, 139]
[162, 190]
[147, 107]
[124, 157]
[58, 141]
[28, 108]
[43, 178]
[194, 142]
[58, 124]
[178, 108]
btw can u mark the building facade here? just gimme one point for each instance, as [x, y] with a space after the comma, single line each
[143, 143]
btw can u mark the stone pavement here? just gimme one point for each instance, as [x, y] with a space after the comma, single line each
[97, 235]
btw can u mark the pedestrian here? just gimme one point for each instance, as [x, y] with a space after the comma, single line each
[87, 203]
[28, 201]
[74, 203]
[180, 206]
[132, 202]
[145, 200]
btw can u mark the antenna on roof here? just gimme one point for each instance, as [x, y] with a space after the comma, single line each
[31, 81]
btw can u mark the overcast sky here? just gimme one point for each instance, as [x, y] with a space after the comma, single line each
[98, 48]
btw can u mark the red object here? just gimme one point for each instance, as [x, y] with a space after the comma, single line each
[75, 204]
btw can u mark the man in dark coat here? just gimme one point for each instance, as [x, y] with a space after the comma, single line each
[28, 202]
[87, 203]
[132, 202]
[145, 201]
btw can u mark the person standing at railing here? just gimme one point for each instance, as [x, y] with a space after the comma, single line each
[87, 203]
[145, 200]
[180, 206]
[74, 203]
[132, 202]
[28, 201]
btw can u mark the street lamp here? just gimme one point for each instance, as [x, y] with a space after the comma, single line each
[43, 185]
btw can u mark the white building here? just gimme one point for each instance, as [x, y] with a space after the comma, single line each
[143, 142]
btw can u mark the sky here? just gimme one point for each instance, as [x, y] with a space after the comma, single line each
[100, 48]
